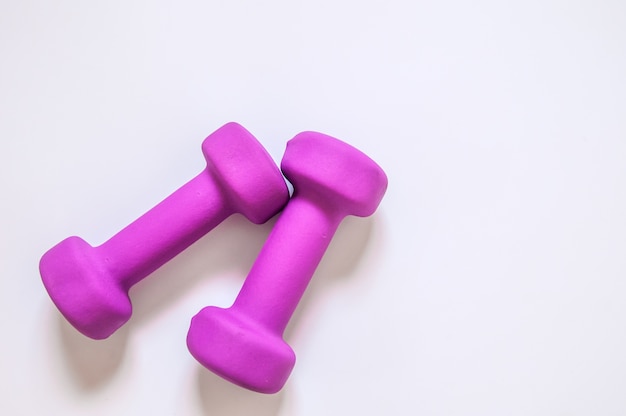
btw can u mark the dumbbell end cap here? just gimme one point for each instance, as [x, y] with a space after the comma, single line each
[238, 350]
[333, 172]
[246, 172]
[81, 289]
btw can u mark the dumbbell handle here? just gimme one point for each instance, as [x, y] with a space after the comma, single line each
[161, 233]
[287, 262]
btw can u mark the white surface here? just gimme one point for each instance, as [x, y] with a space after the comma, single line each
[491, 281]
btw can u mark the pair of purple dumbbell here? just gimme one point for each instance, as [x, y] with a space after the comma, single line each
[242, 343]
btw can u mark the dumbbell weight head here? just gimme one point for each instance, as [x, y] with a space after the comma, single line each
[335, 173]
[240, 350]
[80, 286]
[245, 172]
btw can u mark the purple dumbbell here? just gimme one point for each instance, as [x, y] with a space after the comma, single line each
[90, 285]
[244, 343]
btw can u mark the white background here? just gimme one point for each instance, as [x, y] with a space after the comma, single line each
[491, 281]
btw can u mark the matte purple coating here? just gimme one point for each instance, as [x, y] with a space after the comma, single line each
[244, 343]
[90, 285]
